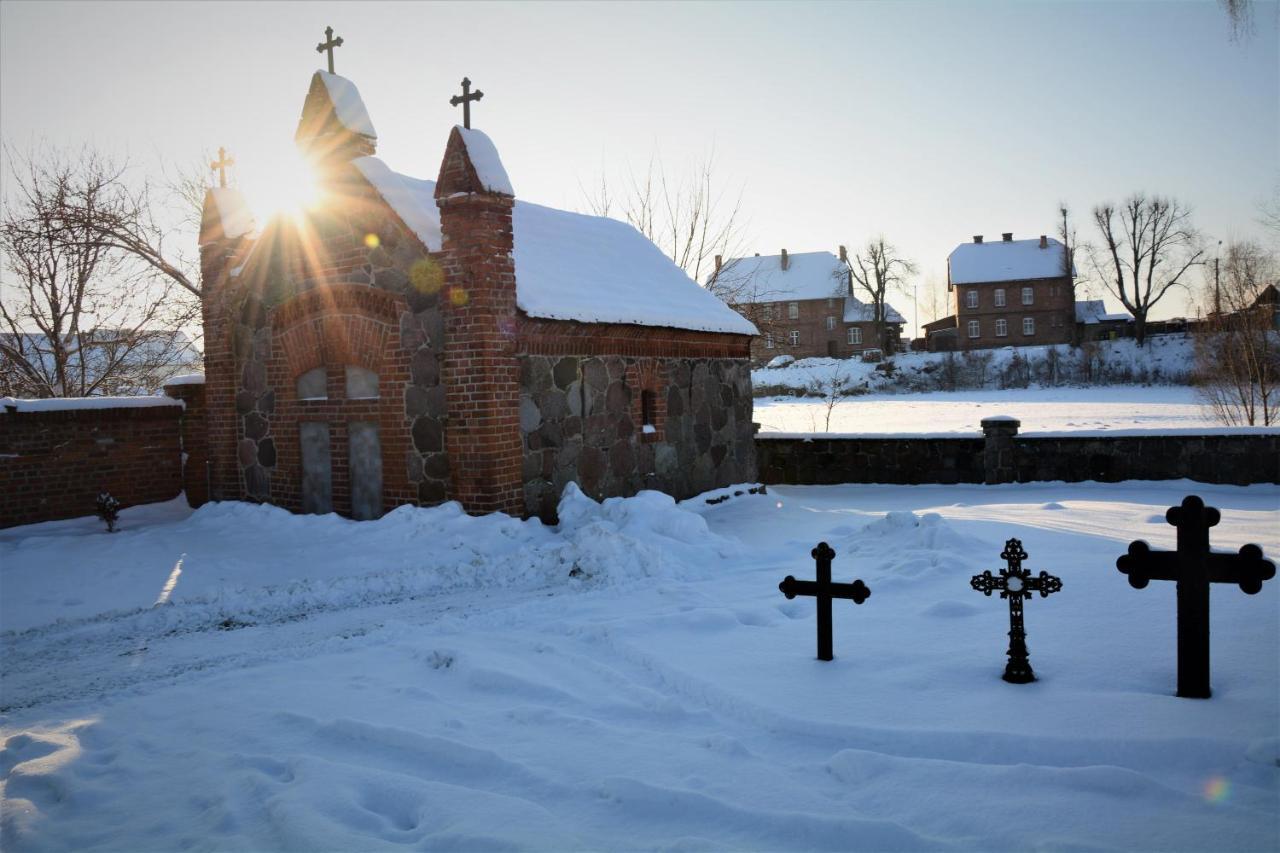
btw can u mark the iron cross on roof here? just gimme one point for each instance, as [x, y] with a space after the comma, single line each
[220, 165]
[328, 45]
[465, 99]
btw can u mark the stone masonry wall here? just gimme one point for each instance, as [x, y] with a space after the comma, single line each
[54, 463]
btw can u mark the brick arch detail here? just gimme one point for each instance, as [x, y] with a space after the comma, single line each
[342, 324]
[649, 374]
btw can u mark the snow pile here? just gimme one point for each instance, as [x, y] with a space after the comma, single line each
[1007, 260]
[570, 266]
[485, 159]
[348, 106]
[680, 708]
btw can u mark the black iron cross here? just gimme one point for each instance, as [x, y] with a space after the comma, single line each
[328, 45]
[465, 99]
[220, 166]
[1016, 584]
[1194, 567]
[824, 590]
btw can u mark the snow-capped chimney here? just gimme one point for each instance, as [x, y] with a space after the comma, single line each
[977, 238]
[1007, 236]
[785, 260]
[1044, 241]
[844, 255]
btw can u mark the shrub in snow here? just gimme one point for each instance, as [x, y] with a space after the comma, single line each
[108, 509]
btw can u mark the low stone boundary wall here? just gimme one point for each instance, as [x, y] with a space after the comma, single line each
[56, 455]
[1237, 456]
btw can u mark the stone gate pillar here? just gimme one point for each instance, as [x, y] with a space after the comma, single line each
[998, 463]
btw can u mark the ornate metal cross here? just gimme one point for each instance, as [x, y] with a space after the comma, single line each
[465, 99]
[220, 165]
[824, 590]
[328, 45]
[1194, 567]
[1016, 584]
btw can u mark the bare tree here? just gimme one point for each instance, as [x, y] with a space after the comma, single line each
[1240, 14]
[876, 269]
[80, 315]
[1067, 236]
[1148, 245]
[1237, 349]
[690, 216]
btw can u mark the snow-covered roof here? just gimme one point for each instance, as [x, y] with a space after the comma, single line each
[485, 159]
[348, 106]
[68, 404]
[1005, 260]
[1094, 311]
[570, 266]
[233, 211]
[856, 311]
[809, 275]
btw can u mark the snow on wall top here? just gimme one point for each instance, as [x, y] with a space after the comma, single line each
[67, 404]
[1094, 311]
[570, 266]
[488, 165]
[233, 211]
[347, 104]
[1012, 260]
[186, 379]
[809, 275]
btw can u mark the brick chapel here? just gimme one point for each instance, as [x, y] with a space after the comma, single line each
[408, 341]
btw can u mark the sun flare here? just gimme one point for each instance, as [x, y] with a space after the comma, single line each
[288, 189]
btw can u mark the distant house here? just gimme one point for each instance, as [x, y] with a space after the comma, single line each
[1014, 292]
[803, 305]
[1096, 323]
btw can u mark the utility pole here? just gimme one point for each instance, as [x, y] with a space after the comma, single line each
[1217, 290]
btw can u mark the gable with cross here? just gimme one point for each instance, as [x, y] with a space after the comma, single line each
[1193, 566]
[220, 165]
[328, 45]
[465, 99]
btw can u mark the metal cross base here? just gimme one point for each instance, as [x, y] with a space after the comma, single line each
[1016, 584]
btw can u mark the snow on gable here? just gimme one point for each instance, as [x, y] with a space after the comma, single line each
[809, 275]
[487, 163]
[857, 311]
[348, 106]
[233, 211]
[1005, 260]
[412, 199]
[570, 266]
[1094, 311]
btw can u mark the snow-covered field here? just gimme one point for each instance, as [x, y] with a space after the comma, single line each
[1107, 407]
[631, 680]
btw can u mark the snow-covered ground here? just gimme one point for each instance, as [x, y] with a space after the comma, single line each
[630, 680]
[1104, 407]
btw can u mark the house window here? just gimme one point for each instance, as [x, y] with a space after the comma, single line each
[362, 384]
[1028, 325]
[1028, 296]
[999, 297]
[795, 338]
[971, 299]
[1002, 328]
[311, 385]
[855, 335]
[768, 340]
[768, 311]
[831, 302]
[793, 310]
[974, 329]
[831, 324]
[646, 411]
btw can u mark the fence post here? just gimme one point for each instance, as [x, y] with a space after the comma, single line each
[998, 464]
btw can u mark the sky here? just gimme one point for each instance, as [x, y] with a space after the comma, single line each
[927, 122]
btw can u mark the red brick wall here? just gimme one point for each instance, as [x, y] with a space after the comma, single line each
[1053, 309]
[194, 437]
[53, 464]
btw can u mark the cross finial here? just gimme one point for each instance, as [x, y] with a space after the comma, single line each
[465, 99]
[328, 45]
[220, 165]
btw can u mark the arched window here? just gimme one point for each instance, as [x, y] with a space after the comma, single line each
[312, 385]
[362, 384]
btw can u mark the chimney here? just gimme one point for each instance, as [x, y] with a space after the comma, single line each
[1044, 242]
[844, 255]
[1007, 236]
[977, 238]
[719, 261]
[785, 260]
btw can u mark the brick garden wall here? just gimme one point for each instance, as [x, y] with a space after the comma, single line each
[54, 463]
[1238, 457]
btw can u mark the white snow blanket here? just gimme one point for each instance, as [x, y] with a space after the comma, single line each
[630, 680]
[1005, 260]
